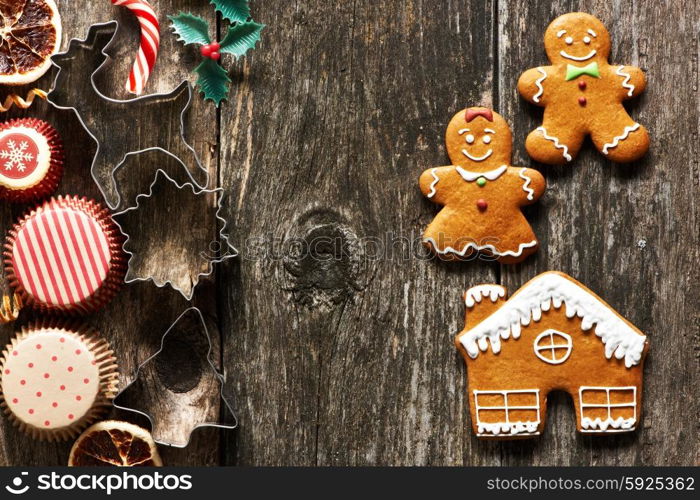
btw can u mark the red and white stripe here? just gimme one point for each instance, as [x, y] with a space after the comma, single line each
[150, 41]
[61, 256]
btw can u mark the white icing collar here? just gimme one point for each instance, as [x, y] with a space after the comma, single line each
[491, 175]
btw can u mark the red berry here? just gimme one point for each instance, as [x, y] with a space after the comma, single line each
[205, 50]
[582, 85]
[215, 46]
[215, 56]
[481, 204]
[582, 101]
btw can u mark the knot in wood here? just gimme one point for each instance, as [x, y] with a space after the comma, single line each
[323, 260]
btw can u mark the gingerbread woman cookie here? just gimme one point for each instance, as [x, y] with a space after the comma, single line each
[582, 95]
[481, 193]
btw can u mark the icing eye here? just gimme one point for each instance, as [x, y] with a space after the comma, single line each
[469, 139]
[586, 40]
[487, 139]
[569, 40]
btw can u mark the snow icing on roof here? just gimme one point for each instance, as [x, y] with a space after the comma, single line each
[476, 293]
[540, 294]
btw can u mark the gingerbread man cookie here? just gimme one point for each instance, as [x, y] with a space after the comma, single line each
[481, 193]
[582, 95]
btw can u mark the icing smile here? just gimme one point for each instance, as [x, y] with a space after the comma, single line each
[574, 58]
[477, 158]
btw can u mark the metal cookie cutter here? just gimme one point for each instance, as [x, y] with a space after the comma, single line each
[120, 128]
[176, 386]
[176, 229]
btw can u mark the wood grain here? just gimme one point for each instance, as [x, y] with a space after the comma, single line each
[336, 329]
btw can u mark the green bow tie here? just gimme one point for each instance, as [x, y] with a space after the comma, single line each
[574, 71]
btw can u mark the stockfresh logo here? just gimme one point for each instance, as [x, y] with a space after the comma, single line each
[107, 483]
[17, 486]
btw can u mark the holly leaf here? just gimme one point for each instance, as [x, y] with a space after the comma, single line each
[212, 80]
[241, 38]
[236, 11]
[190, 28]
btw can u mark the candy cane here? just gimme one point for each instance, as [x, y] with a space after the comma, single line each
[150, 41]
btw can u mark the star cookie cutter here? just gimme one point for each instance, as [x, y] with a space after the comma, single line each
[114, 124]
[176, 385]
[188, 234]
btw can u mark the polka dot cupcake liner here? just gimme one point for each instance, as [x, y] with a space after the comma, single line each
[56, 379]
[31, 157]
[66, 256]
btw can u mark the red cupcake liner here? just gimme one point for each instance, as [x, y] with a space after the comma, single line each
[49, 182]
[49, 272]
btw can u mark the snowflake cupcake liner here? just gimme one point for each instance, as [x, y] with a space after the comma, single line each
[31, 160]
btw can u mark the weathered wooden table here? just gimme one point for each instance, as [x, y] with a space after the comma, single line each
[343, 355]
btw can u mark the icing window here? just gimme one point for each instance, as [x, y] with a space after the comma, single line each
[608, 409]
[553, 347]
[507, 412]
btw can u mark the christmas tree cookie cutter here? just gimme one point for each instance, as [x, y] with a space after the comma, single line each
[115, 124]
[183, 232]
[178, 385]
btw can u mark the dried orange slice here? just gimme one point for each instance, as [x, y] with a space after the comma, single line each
[114, 443]
[30, 33]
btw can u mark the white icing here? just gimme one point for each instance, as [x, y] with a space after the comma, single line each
[538, 83]
[492, 175]
[477, 158]
[432, 184]
[486, 139]
[476, 293]
[469, 138]
[625, 83]
[475, 247]
[586, 40]
[592, 33]
[507, 428]
[526, 185]
[490, 131]
[560, 33]
[556, 142]
[463, 130]
[608, 424]
[616, 140]
[556, 356]
[574, 58]
[518, 428]
[568, 40]
[623, 424]
[551, 289]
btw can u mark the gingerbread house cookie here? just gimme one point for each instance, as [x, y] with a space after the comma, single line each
[582, 95]
[481, 192]
[552, 334]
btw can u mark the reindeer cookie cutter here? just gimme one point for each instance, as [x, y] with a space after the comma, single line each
[220, 245]
[116, 137]
[157, 387]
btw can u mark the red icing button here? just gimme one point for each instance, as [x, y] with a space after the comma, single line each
[481, 205]
[582, 85]
[582, 101]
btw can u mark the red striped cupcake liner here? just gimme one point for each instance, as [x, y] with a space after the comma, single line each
[66, 256]
[31, 159]
[57, 378]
